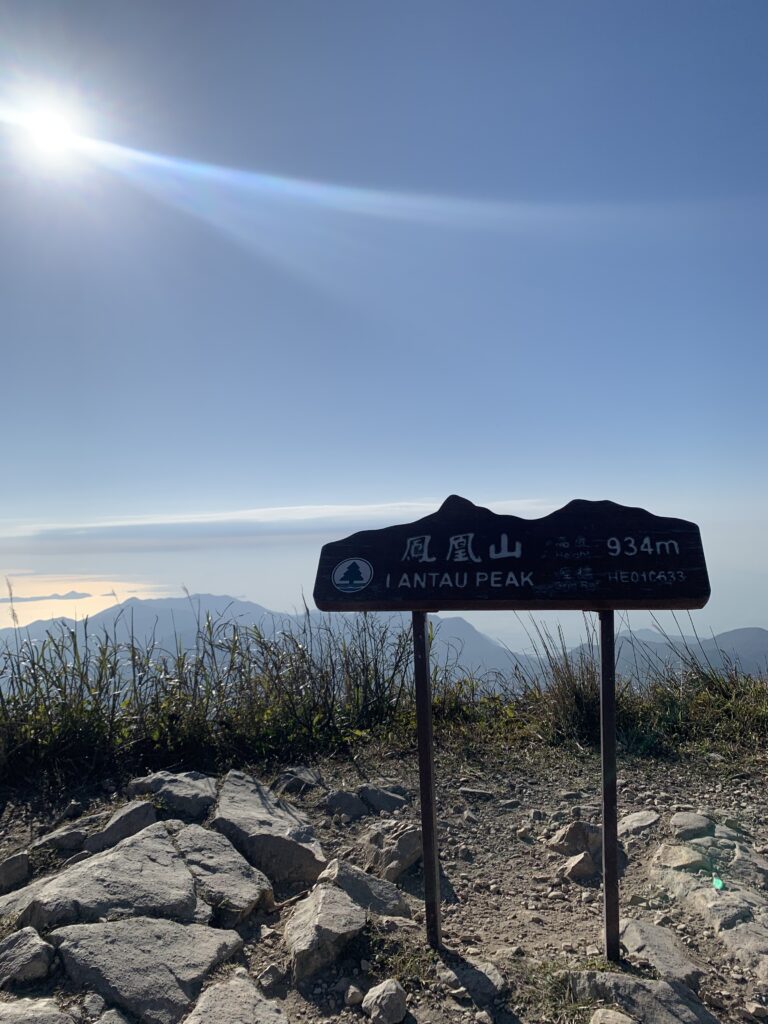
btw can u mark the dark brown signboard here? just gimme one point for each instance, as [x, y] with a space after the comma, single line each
[593, 555]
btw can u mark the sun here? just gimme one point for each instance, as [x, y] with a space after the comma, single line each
[49, 132]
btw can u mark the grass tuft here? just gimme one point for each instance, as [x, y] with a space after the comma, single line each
[76, 703]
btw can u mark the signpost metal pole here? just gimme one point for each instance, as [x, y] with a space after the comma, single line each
[426, 779]
[608, 751]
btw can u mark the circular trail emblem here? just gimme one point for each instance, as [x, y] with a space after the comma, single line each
[352, 574]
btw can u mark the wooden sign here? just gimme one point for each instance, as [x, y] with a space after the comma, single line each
[593, 555]
[590, 556]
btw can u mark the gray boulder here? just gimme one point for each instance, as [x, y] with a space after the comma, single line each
[113, 1016]
[33, 1011]
[188, 794]
[578, 837]
[391, 848]
[339, 801]
[635, 824]
[24, 957]
[319, 928]
[224, 878]
[580, 867]
[142, 875]
[126, 821]
[379, 799]
[662, 950]
[482, 979]
[14, 870]
[385, 1003]
[66, 839]
[235, 1001]
[151, 968]
[369, 892]
[271, 835]
[686, 825]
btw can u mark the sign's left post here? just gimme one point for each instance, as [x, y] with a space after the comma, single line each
[431, 859]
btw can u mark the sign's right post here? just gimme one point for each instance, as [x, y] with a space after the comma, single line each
[608, 753]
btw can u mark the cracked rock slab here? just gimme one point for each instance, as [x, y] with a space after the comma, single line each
[271, 835]
[126, 821]
[647, 1000]
[188, 794]
[142, 875]
[680, 858]
[225, 879]
[661, 948]
[153, 969]
[319, 928]
[24, 957]
[369, 892]
[235, 1001]
[33, 1011]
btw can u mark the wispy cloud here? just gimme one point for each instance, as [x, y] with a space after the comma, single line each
[72, 595]
[242, 526]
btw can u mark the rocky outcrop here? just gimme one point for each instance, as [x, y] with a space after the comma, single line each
[224, 878]
[142, 875]
[319, 928]
[151, 968]
[339, 801]
[187, 794]
[126, 821]
[662, 950]
[271, 835]
[14, 871]
[379, 799]
[647, 1000]
[235, 1001]
[637, 823]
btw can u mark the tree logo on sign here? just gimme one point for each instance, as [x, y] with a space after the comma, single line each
[352, 574]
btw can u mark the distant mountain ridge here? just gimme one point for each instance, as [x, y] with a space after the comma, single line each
[171, 621]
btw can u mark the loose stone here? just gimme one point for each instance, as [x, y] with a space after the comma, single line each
[24, 957]
[319, 928]
[386, 1003]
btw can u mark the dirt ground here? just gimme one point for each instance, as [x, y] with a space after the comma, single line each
[502, 898]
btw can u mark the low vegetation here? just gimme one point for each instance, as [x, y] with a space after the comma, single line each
[73, 703]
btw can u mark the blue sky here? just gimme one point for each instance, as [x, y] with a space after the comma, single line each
[352, 254]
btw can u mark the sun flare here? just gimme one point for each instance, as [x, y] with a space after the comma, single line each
[49, 132]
